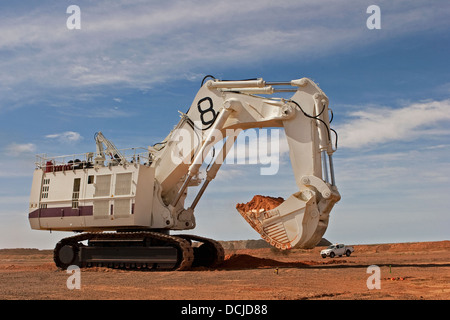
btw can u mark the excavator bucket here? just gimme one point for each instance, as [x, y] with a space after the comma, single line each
[296, 222]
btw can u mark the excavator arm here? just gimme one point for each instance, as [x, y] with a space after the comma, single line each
[220, 111]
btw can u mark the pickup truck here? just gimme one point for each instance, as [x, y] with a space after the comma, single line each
[338, 249]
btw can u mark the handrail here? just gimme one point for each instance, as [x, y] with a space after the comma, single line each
[86, 160]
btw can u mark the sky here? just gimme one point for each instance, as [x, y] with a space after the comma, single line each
[132, 65]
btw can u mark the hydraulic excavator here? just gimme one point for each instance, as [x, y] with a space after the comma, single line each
[124, 204]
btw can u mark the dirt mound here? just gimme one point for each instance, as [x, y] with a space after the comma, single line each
[24, 251]
[258, 244]
[404, 247]
[244, 244]
[50, 266]
[260, 202]
[246, 261]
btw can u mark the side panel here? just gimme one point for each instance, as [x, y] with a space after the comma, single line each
[113, 198]
[144, 196]
[61, 200]
[35, 195]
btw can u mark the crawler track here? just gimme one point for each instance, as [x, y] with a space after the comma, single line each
[149, 250]
[137, 251]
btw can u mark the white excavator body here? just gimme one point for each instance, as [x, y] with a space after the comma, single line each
[145, 189]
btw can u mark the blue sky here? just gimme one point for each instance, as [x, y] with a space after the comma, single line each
[134, 64]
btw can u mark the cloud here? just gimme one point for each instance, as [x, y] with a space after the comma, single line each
[376, 125]
[16, 149]
[140, 44]
[68, 136]
[99, 112]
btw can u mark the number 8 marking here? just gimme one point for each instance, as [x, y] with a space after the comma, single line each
[210, 122]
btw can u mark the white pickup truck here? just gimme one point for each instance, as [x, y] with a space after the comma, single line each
[338, 249]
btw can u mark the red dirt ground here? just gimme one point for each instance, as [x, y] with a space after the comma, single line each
[419, 270]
